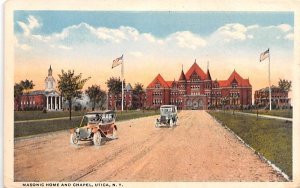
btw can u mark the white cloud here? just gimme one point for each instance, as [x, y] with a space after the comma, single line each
[285, 27]
[233, 31]
[186, 39]
[21, 46]
[85, 38]
[250, 36]
[289, 36]
[32, 24]
[136, 54]
[64, 47]
[252, 27]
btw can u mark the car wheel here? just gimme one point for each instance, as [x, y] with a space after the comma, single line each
[115, 134]
[171, 123]
[97, 138]
[74, 139]
[156, 124]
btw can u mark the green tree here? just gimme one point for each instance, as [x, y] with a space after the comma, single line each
[70, 86]
[115, 87]
[284, 85]
[96, 95]
[138, 92]
[27, 87]
[18, 92]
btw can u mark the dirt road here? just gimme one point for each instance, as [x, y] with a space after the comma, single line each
[199, 149]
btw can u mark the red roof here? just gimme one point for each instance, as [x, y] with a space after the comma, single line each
[170, 83]
[182, 76]
[195, 68]
[208, 77]
[234, 76]
[158, 79]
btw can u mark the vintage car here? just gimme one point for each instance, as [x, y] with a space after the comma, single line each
[94, 126]
[168, 116]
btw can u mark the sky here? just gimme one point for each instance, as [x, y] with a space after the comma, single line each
[152, 42]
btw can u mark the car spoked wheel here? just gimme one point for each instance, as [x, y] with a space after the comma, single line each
[74, 139]
[171, 123]
[97, 139]
[156, 124]
[115, 134]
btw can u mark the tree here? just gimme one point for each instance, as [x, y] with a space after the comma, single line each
[27, 86]
[138, 92]
[70, 86]
[97, 95]
[285, 85]
[18, 92]
[115, 86]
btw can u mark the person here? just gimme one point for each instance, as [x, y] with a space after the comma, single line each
[98, 118]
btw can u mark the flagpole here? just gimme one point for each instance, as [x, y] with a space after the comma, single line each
[270, 95]
[122, 73]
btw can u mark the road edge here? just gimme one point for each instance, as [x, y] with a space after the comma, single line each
[276, 168]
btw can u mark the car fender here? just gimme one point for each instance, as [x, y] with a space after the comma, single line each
[72, 131]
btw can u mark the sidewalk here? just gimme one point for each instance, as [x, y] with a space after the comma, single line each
[266, 116]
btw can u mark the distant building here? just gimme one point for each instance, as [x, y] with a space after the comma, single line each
[279, 97]
[115, 101]
[195, 89]
[48, 99]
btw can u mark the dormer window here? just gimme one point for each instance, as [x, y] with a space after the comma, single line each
[234, 85]
[157, 85]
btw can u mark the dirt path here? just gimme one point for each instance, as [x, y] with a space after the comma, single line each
[199, 149]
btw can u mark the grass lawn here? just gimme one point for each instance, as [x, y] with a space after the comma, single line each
[272, 138]
[282, 113]
[44, 126]
[31, 115]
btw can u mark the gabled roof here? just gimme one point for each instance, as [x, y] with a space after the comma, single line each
[128, 87]
[195, 68]
[182, 76]
[234, 77]
[208, 77]
[170, 83]
[158, 79]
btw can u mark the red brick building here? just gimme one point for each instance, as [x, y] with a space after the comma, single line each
[48, 99]
[196, 89]
[114, 101]
[279, 97]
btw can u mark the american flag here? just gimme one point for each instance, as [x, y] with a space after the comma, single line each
[264, 55]
[117, 61]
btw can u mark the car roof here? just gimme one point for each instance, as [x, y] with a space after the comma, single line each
[101, 112]
[167, 106]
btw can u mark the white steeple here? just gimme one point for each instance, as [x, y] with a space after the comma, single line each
[49, 81]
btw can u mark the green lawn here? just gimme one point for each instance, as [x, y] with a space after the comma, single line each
[44, 126]
[280, 113]
[31, 115]
[272, 138]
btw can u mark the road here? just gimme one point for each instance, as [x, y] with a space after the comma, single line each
[199, 149]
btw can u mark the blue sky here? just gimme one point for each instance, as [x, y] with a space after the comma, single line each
[160, 24]
[152, 43]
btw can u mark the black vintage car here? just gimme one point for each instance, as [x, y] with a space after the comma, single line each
[168, 116]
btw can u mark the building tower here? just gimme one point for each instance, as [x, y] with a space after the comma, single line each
[49, 81]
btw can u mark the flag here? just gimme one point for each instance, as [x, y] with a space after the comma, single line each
[264, 55]
[117, 62]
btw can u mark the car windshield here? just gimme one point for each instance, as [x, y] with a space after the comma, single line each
[84, 121]
[165, 111]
